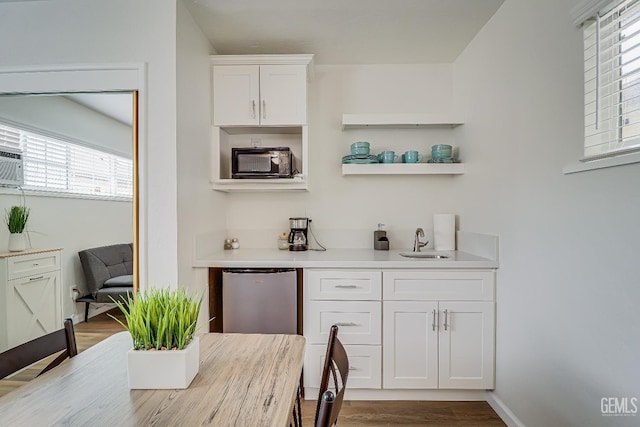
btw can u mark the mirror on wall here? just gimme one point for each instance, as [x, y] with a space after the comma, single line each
[80, 171]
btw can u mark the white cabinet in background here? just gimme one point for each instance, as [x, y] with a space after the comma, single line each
[351, 300]
[31, 296]
[259, 101]
[438, 344]
[259, 95]
[403, 329]
[438, 329]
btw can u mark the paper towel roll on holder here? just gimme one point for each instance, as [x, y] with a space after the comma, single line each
[444, 232]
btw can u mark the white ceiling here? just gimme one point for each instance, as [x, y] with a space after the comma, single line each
[344, 31]
[116, 105]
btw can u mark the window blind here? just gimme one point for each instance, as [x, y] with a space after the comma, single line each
[612, 81]
[64, 167]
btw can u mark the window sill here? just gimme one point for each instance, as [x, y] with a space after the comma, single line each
[27, 192]
[601, 164]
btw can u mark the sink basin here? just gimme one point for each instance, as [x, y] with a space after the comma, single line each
[422, 255]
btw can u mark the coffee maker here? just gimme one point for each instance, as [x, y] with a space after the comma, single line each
[298, 235]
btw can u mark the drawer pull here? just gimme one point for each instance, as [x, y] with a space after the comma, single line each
[36, 278]
[346, 286]
[35, 264]
[352, 368]
[346, 324]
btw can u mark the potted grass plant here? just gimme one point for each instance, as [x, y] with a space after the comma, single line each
[16, 219]
[162, 324]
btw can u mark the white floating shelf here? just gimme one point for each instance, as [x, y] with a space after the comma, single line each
[357, 121]
[254, 185]
[404, 169]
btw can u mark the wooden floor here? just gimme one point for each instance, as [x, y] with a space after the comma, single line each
[353, 413]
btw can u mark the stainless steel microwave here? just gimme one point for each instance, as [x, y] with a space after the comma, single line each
[261, 162]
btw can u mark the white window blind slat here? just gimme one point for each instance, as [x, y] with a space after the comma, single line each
[59, 166]
[612, 80]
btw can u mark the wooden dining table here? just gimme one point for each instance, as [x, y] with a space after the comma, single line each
[243, 380]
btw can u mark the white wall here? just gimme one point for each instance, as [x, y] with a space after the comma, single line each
[346, 209]
[117, 31]
[567, 331]
[200, 209]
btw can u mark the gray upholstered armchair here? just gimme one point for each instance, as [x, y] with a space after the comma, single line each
[108, 271]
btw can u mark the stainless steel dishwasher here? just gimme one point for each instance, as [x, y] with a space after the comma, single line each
[261, 301]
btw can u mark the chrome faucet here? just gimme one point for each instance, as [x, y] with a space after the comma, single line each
[417, 244]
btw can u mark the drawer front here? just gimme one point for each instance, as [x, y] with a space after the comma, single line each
[343, 284]
[27, 265]
[407, 285]
[359, 322]
[365, 366]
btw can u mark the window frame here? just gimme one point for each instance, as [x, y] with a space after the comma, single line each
[588, 11]
[52, 137]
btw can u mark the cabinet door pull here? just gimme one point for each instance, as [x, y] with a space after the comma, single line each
[253, 108]
[264, 109]
[346, 286]
[352, 368]
[36, 278]
[346, 324]
[434, 324]
[446, 316]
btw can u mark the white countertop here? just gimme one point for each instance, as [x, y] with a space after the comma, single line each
[339, 258]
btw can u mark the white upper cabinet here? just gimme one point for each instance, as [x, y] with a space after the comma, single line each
[283, 95]
[259, 100]
[250, 91]
[236, 95]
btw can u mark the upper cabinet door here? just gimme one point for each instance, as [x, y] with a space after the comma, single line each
[236, 95]
[283, 95]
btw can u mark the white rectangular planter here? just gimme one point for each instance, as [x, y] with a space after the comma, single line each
[164, 369]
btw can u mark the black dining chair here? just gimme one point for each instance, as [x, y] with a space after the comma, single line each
[35, 350]
[336, 367]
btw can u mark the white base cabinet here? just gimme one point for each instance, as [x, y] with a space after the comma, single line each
[439, 329]
[445, 344]
[404, 329]
[31, 296]
[351, 300]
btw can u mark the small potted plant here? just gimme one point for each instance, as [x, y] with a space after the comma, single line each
[162, 324]
[16, 220]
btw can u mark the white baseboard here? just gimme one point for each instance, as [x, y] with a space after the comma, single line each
[503, 411]
[311, 393]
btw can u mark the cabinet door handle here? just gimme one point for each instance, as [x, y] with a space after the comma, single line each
[434, 324]
[352, 368]
[346, 324]
[446, 316]
[264, 109]
[36, 278]
[253, 108]
[346, 286]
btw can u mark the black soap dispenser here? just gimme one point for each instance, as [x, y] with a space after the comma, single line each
[380, 240]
